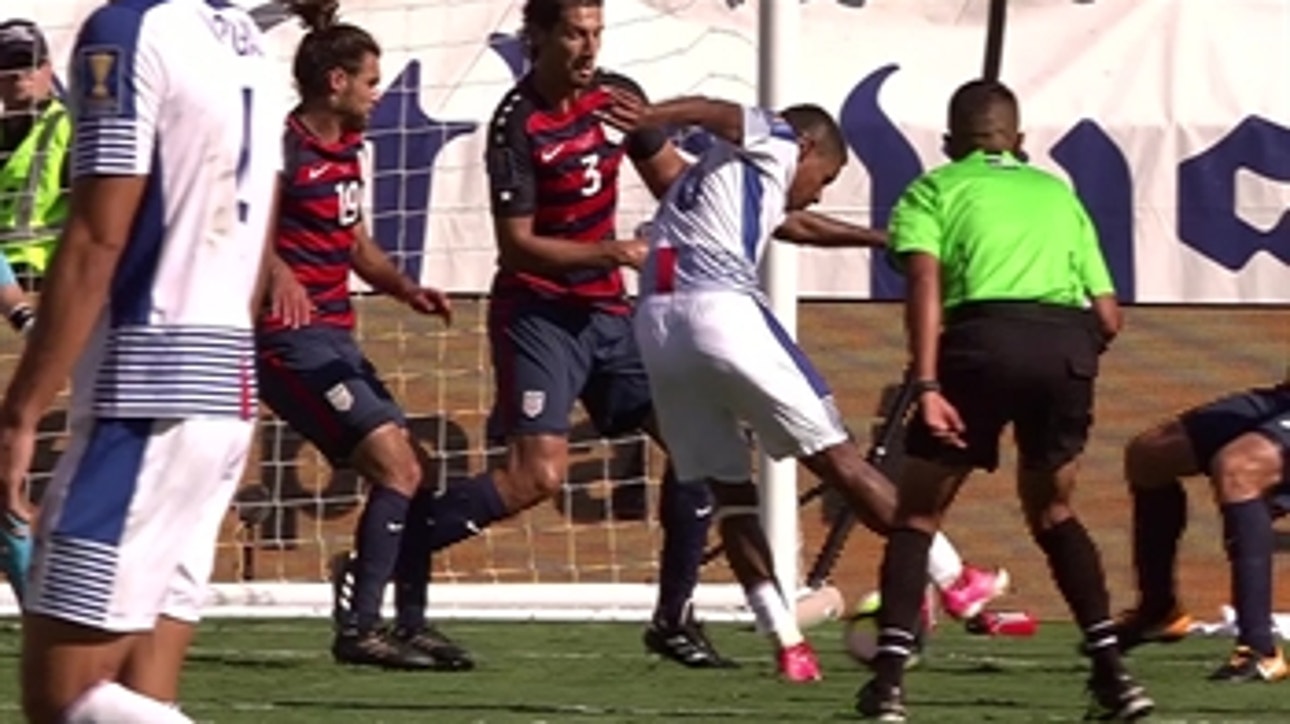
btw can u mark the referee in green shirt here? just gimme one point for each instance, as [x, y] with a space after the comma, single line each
[1009, 306]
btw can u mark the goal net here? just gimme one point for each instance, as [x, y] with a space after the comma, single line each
[592, 551]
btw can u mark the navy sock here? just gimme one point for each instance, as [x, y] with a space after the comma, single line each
[1159, 518]
[686, 513]
[465, 508]
[380, 531]
[412, 572]
[903, 578]
[1076, 566]
[1248, 537]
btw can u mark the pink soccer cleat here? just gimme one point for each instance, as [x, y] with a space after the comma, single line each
[798, 664]
[974, 589]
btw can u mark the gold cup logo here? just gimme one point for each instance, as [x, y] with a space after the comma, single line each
[100, 67]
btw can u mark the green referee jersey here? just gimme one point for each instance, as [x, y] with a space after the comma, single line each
[1003, 231]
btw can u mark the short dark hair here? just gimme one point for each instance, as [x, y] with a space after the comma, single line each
[544, 15]
[328, 45]
[808, 119]
[975, 99]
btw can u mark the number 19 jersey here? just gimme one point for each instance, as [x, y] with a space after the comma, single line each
[322, 193]
[178, 92]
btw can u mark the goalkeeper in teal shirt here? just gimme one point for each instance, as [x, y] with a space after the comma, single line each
[1009, 306]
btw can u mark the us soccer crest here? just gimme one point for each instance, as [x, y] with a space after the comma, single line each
[340, 397]
[533, 403]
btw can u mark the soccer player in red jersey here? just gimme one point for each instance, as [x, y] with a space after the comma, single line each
[558, 319]
[312, 373]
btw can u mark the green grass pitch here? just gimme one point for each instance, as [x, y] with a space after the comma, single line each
[279, 672]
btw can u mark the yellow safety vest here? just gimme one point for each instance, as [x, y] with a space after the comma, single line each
[33, 202]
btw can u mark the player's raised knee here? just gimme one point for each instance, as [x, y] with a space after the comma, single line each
[1246, 467]
[1158, 456]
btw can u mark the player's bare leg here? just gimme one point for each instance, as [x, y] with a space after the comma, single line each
[1154, 464]
[749, 555]
[386, 460]
[965, 590]
[156, 659]
[69, 675]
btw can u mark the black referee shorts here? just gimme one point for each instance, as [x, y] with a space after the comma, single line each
[1028, 364]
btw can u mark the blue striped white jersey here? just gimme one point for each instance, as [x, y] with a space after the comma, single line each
[712, 226]
[179, 92]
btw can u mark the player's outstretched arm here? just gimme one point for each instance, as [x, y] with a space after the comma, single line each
[519, 249]
[374, 267]
[268, 257]
[720, 118]
[656, 158]
[810, 228]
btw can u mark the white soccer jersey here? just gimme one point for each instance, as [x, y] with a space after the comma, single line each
[179, 91]
[713, 224]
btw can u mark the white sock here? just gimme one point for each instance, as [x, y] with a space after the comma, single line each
[944, 565]
[773, 614]
[110, 703]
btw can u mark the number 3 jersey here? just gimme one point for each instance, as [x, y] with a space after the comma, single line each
[322, 192]
[181, 95]
[559, 165]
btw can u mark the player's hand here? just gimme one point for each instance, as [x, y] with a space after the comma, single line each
[942, 419]
[626, 111]
[425, 300]
[630, 252]
[17, 447]
[289, 300]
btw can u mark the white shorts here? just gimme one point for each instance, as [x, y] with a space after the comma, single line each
[128, 525]
[716, 359]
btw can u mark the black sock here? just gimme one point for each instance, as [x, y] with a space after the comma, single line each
[1077, 571]
[903, 579]
[1248, 537]
[412, 572]
[464, 509]
[380, 531]
[686, 513]
[1159, 518]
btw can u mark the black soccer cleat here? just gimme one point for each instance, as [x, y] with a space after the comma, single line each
[685, 643]
[881, 702]
[378, 649]
[1119, 698]
[446, 653]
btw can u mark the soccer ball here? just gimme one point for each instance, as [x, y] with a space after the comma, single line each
[860, 632]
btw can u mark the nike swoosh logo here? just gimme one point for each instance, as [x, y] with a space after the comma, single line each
[549, 155]
[703, 512]
[315, 173]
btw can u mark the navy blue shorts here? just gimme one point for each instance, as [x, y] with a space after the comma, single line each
[1264, 410]
[546, 355]
[318, 381]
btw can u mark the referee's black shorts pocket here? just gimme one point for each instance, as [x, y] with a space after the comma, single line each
[1054, 432]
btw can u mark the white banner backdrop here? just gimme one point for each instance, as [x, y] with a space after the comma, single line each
[1170, 117]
